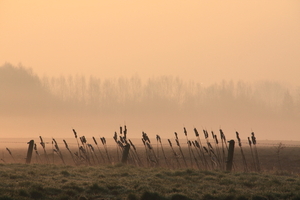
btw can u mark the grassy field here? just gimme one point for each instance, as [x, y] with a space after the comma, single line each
[177, 177]
[40, 181]
[119, 181]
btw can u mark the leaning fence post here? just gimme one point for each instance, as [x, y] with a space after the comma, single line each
[125, 153]
[29, 152]
[230, 155]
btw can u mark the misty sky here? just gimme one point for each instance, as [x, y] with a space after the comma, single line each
[205, 41]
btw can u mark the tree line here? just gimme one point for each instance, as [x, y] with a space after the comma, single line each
[132, 95]
[173, 94]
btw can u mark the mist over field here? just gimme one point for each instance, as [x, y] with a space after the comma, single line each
[51, 106]
[155, 66]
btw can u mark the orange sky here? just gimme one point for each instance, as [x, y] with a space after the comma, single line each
[200, 40]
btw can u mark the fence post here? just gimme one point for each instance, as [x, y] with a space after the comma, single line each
[29, 152]
[125, 153]
[230, 155]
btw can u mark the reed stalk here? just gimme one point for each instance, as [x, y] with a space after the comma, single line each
[11, 154]
[84, 150]
[201, 148]
[95, 141]
[252, 155]
[223, 140]
[178, 144]
[242, 152]
[189, 145]
[117, 145]
[76, 137]
[57, 150]
[151, 152]
[209, 149]
[253, 138]
[196, 161]
[197, 147]
[174, 153]
[218, 153]
[67, 147]
[162, 149]
[140, 163]
[38, 158]
[93, 154]
[44, 148]
[146, 152]
[103, 140]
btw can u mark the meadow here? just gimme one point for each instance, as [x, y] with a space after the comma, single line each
[159, 168]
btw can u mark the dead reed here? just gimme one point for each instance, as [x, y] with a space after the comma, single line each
[242, 152]
[44, 148]
[192, 154]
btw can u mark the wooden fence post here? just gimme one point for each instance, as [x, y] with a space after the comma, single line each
[125, 153]
[29, 152]
[230, 156]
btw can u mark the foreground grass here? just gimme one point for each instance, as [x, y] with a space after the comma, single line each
[20, 181]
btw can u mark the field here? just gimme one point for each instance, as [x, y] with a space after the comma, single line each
[39, 181]
[157, 170]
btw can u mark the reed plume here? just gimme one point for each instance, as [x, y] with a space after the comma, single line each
[95, 141]
[10, 154]
[44, 148]
[242, 152]
[67, 147]
[162, 149]
[255, 150]
[57, 150]
[174, 153]
[178, 144]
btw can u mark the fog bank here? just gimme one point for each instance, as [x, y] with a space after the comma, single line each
[52, 106]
